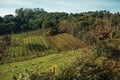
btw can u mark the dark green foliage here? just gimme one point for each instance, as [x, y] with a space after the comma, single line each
[42, 76]
[92, 71]
[108, 48]
[4, 44]
[88, 70]
[98, 29]
[30, 19]
[75, 24]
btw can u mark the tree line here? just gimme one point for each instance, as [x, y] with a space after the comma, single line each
[77, 24]
[30, 19]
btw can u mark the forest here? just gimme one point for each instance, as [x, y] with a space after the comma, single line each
[34, 36]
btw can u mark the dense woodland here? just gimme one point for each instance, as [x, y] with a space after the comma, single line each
[103, 23]
[33, 33]
[76, 24]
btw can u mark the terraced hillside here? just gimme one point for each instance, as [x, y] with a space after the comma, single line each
[30, 45]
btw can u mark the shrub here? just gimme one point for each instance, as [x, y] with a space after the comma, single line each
[107, 49]
[42, 76]
[89, 70]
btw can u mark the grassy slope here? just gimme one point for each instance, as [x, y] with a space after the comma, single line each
[33, 44]
[22, 48]
[59, 42]
[42, 64]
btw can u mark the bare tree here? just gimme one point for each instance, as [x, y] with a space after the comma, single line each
[67, 26]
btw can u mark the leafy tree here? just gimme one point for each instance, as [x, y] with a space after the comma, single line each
[8, 18]
[1, 20]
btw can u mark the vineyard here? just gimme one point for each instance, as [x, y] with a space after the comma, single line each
[33, 53]
[30, 45]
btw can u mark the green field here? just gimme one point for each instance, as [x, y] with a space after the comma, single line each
[59, 44]
[33, 52]
[42, 64]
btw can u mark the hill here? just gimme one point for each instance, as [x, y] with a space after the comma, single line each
[34, 44]
[42, 64]
[34, 40]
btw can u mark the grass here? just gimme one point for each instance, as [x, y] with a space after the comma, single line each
[38, 53]
[42, 64]
[33, 44]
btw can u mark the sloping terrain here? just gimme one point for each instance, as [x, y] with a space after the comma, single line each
[65, 41]
[42, 64]
[33, 44]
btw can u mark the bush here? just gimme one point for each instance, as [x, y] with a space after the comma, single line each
[89, 70]
[109, 49]
[83, 68]
[42, 76]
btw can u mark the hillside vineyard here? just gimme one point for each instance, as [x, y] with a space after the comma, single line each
[40, 45]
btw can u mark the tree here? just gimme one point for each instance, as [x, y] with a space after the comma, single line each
[8, 18]
[67, 26]
[19, 12]
[47, 24]
[36, 24]
[1, 20]
[101, 32]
